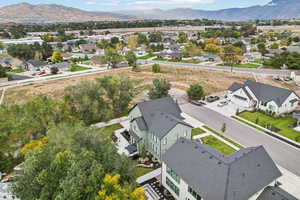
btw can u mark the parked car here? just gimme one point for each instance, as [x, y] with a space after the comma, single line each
[41, 73]
[223, 103]
[212, 98]
[198, 103]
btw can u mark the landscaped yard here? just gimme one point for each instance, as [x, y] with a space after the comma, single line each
[197, 131]
[17, 71]
[241, 65]
[109, 130]
[150, 55]
[282, 123]
[76, 68]
[218, 145]
[140, 171]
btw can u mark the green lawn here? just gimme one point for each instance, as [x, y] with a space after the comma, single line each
[243, 121]
[150, 55]
[140, 171]
[197, 131]
[76, 68]
[241, 65]
[218, 145]
[161, 59]
[109, 130]
[17, 71]
[222, 136]
[282, 123]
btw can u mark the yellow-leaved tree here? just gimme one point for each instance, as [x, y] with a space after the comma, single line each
[111, 189]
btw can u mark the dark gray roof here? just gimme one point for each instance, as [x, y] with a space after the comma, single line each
[141, 123]
[159, 116]
[235, 86]
[61, 65]
[264, 92]
[275, 193]
[218, 177]
[37, 63]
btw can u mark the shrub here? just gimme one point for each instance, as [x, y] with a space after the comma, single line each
[156, 68]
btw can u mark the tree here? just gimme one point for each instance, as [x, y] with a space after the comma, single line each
[131, 58]
[274, 46]
[72, 165]
[195, 92]
[142, 39]
[112, 189]
[223, 129]
[2, 72]
[192, 50]
[119, 91]
[183, 38]
[57, 57]
[161, 89]
[87, 102]
[54, 70]
[155, 37]
[231, 54]
[262, 48]
[132, 42]
[213, 48]
[156, 68]
[112, 58]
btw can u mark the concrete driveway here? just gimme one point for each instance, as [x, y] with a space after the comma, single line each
[282, 153]
[227, 110]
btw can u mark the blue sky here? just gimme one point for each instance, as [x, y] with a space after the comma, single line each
[110, 5]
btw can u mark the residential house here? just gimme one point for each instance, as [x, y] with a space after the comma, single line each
[171, 55]
[264, 97]
[252, 56]
[62, 66]
[210, 58]
[193, 171]
[243, 60]
[88, 48]
[156, 125]
[34, 65]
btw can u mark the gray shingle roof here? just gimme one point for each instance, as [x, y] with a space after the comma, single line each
[218, 177]
[264, 92]
[159, 116]
[275, 193]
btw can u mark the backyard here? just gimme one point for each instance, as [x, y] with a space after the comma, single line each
[76, 68]
[282, 123]
[217, 145]
[249, 65]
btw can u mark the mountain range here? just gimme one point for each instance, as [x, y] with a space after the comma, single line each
[47, 13]
[276, 9]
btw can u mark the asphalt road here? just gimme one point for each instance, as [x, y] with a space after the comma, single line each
[282, 153]
[270, 72]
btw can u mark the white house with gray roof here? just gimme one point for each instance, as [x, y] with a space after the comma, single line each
[256, 95]
[193, 171]
[156, 125]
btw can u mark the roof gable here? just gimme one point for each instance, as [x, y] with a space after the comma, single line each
[215, 176]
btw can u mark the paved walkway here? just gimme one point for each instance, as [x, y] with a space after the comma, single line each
[122, 143]
[111, 122]
[2, 95]
[148, 176]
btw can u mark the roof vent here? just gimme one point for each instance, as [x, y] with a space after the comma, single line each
[219, 163]
[210, 157]
[243, 174]
[258, 165]
[203, 151]
[196, 147]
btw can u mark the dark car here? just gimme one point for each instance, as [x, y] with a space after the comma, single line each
[198, 103]
[212, 98]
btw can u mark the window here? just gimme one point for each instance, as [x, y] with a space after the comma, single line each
[172, 186]
[173, 175]
[165, 141]
[194, 194]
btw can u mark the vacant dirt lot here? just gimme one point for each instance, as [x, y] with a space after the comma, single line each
[181, 78]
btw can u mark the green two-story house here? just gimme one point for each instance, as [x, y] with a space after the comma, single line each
[156, 125]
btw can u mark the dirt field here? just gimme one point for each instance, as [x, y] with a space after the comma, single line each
[181, 78]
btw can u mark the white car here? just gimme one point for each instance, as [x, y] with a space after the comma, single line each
[222, 103]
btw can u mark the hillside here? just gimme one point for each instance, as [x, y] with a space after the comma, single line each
[47, 13]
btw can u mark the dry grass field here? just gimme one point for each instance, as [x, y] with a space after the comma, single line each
[181, 78]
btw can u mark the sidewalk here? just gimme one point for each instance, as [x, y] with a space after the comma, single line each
[111, 122]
